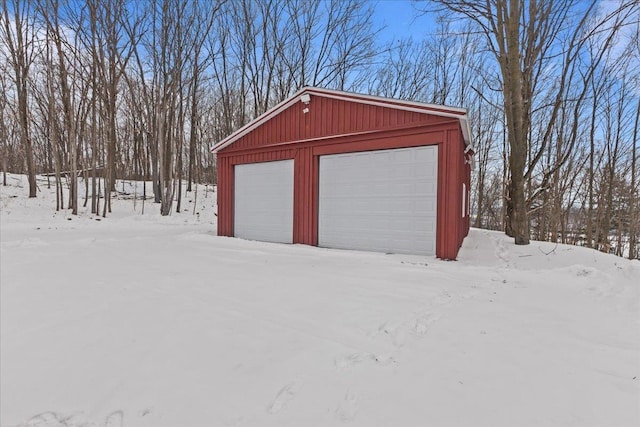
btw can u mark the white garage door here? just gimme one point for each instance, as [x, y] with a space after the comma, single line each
[263, 201]
[379, 200]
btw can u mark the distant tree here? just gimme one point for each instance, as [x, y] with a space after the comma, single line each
[50, 11]
[633, 213]
[634, 218]
[526, 38]
[19, 34]
[4, 133]
[202, 59]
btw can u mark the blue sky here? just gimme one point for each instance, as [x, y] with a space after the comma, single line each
[400, 19]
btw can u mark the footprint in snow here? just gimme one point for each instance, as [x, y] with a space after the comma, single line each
[348, 408]
[501, 251]
[145, 412]
[343, 362]
[424, 322]
[114, 419]
[284, 396]
[397, 333]
[49, 419]
[443, 298]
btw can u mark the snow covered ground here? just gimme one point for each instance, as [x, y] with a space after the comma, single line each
[140, 320]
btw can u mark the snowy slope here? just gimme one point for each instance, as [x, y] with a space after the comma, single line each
[139, 320]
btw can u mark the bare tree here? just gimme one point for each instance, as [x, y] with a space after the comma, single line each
[405, 72]
[50, 12]
[19, 34]
[524, 39]
[201, 60]
[4, 133]
[633, 211]
[115, 30]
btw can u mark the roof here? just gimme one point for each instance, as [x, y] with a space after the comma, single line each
[419, 107]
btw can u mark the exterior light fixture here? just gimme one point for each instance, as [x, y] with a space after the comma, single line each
[305, 98]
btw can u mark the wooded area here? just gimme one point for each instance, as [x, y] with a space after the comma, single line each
[124, 89]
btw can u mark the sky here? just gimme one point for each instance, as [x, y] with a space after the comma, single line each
[400, 19]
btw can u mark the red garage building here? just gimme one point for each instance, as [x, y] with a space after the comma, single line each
[344, 170]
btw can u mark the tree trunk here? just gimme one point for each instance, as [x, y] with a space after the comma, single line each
[19, 58]
[633, 208]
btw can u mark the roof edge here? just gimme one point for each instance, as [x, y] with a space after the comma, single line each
[391, 101]
[437, 110]
[257, 121]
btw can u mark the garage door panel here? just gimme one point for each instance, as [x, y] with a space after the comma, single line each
[379, 200]
[263, 201]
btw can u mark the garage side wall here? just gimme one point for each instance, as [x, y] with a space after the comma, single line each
[454, 184]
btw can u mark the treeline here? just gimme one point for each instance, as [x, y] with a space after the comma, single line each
[123, 89]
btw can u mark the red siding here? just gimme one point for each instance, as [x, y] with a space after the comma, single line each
[335, 126]
[327, 117]
[449, 196]
[305, 197]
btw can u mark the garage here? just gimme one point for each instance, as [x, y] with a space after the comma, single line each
[382, 201]
[351, 171]
[264, 201]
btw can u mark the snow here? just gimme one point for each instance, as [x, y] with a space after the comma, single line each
[143, 320]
